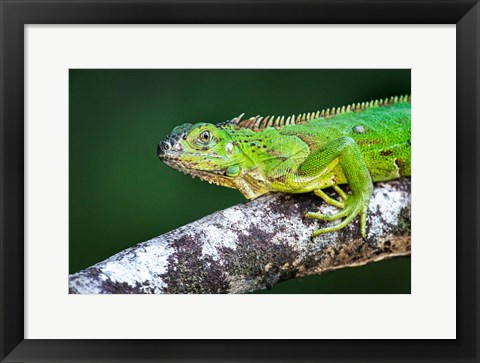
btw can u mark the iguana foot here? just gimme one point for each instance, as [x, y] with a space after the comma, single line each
[329, 200]
[351, 208]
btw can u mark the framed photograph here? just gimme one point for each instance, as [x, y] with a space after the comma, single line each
[290, 119]
[265, 246]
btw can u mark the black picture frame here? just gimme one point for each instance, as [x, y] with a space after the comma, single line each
[15, 14]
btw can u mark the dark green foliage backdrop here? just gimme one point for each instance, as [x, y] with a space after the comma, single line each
[121, 194]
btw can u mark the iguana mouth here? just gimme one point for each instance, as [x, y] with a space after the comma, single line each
[218, 177]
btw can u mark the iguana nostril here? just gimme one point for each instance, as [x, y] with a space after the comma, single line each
[162, 147]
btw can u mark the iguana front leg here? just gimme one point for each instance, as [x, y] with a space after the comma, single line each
[346, 153]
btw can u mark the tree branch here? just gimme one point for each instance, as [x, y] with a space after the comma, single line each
[252, 246]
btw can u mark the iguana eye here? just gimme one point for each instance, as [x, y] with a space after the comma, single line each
[205, 136]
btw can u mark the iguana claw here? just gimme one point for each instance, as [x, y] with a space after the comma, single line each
[353, 207]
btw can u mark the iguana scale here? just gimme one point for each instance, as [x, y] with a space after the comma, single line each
[355, 145]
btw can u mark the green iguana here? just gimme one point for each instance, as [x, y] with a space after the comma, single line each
[354, 145]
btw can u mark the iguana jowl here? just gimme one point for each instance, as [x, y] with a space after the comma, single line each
[354, 145]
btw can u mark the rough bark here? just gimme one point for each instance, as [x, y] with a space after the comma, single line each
[252, 246]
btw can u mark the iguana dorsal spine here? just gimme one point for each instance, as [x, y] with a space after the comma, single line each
[258, 123]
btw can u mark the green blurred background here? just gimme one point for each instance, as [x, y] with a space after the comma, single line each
[121, 194]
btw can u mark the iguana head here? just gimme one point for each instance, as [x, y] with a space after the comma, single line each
[203, 150]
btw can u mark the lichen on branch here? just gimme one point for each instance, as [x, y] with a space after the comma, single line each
[252, 246]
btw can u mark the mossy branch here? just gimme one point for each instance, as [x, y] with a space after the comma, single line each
[252, 246]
